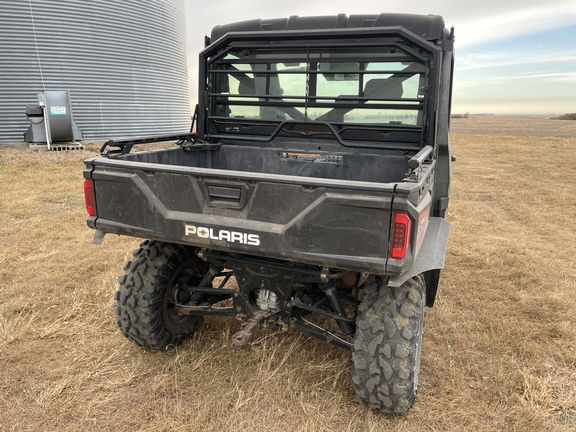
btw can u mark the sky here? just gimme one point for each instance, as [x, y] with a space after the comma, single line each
[512, 56]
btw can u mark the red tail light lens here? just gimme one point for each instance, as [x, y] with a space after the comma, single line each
[400, 235]
[89, 197]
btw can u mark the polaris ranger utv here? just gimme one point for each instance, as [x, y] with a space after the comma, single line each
[311, 196]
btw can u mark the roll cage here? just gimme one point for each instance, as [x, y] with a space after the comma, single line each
[364, 87]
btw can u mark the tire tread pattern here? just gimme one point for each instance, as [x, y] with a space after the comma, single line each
[139, 299]
[387, 345]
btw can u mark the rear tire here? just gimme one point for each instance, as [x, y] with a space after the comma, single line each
[144, 304]
[388, 344]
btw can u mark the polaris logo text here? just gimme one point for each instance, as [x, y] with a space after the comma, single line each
[229, 236]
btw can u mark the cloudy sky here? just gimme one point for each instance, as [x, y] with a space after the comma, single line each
[512, 56]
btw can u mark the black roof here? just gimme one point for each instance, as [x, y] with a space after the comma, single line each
[430, 27]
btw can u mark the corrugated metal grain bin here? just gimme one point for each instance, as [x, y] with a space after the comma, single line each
[124, 63]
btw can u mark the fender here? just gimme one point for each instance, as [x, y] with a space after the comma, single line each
[431, 256]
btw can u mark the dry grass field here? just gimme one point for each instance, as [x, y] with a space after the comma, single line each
[500, 344]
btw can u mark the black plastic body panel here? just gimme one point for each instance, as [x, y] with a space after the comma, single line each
[324, 202]
[330, 222]
[430, 27]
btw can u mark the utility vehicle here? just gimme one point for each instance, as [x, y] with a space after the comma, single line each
[311, 194]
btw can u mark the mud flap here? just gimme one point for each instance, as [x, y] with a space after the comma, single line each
[98, 237]
[432, 253]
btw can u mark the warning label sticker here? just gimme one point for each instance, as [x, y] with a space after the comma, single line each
[312, 158]
[58, 110]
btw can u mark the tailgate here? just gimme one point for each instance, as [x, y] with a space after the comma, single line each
[325, 222]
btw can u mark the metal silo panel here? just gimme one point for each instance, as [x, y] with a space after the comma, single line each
[124, 64]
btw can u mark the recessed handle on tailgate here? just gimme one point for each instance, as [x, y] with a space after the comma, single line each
[225, 195]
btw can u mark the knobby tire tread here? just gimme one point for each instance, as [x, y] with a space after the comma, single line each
[140, 296]
[387, 346]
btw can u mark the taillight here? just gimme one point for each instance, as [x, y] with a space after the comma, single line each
[400, 235]
[89, 197]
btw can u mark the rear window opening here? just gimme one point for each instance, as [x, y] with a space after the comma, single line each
[357, 91]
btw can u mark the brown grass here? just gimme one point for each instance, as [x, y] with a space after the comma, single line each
[536, 126]
[499, 350]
